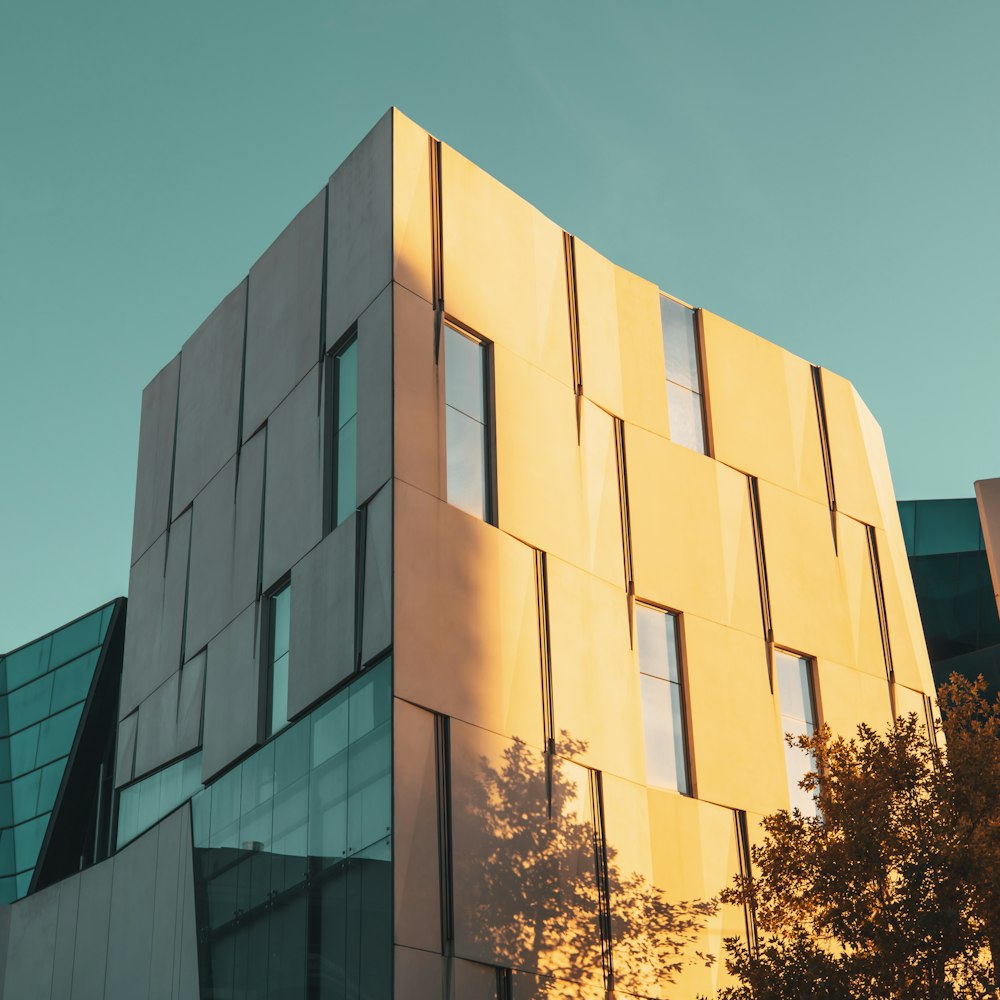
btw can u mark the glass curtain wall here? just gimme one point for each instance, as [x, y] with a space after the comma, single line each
[293, 857]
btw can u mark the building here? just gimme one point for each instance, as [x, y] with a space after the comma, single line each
[474, 583]
[952, 547]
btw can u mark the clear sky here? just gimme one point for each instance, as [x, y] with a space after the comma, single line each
[824, 174]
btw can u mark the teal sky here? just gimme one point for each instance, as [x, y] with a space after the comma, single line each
[825, 174]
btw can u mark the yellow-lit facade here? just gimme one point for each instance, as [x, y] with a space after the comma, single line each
[538, 852]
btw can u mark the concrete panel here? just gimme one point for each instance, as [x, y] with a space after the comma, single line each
[621, 343]
[852, 470]
[293, 492]
[208, 408]
[909, 702]
[466, 620]
[156, 450]
[418, 395]
[848, 697]
[472, 981]
[65, 946]
[858, 579]
[504, 268]
[808, 605]
[156, 740]
[688, 511]
[557, 489]
[190, 701]
[360, 250]
[283, 315]
[526, 986]
[321, 637]
[411, 206]
[375, 396]
[4, 939]
[552, 889]
[376, 629]
[125, 750]
[762, 409]
[232, 693]
[735, 734]
[130, 934]
[154, 628]
[988, 500]
[415, 828]
[595, 681]
[186, 941]
[168, 890]
[419, 975]
[33, 922]
[90, 957]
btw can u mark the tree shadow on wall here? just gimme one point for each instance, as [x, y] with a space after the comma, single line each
[537, 890]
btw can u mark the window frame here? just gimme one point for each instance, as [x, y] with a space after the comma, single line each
[331, 371]
[702, 392]
[814, 707]
[265, 731]
[680, 649]
[445, 322]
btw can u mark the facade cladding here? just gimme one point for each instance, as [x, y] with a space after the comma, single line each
[952, 566]
[474, 584]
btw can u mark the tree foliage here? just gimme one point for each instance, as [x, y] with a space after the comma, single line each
[891, 890]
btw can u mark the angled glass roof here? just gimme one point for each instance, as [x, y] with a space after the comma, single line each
[43, 687]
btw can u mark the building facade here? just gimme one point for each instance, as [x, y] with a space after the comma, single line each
[474, 584]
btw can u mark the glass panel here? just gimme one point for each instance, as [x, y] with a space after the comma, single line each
[347, 466]
[329, 728]
[48, 787]
[28, 663]
[8, 890]
[797, 763]
[279, 694]
[145, 803]
[662, 711]
[23, 750]
[328, 810]
[281, 609]
[680, 343]
[369, 797]
[657, 637]
[24, 881]
[466, 452]
[55, 737]
[70, 642]
[29, 704]
[686, 424]
[28, 841]
[794, 687]
[463, 374]
[71, 683]
[347, 383]
[8, 865]
[371, 700]
[24, 794]
[947, 526]
[6, 809]
[907, 520]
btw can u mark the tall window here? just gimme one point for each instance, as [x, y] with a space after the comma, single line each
[684, 391]
[798, 716]
[467, 439]
[662, 699]
[279, 610]
[342, 386]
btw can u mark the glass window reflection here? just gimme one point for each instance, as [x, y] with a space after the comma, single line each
[683, 368]
[798, 717]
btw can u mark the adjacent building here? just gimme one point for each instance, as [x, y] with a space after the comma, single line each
[475, 581]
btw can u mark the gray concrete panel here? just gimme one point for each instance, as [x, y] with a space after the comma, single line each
[186, 941]
[167, 893]
[293, 493]
[232, 693]
[91, 954]
[321, 636]
[415, 828]
[213, 529]
[156, 450]
[190, 700]
[375, 396]
[208, 407]
[33, 920]
[359, 255]
[419, 975]
[125, 750]
[4, 937]
[130, 931]
[472, 981]
[283, 315]
[376, 631]
[155, 622]
[65, 946]
[249, 503]
[156, 737]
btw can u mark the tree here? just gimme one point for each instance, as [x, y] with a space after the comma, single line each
[890, 891]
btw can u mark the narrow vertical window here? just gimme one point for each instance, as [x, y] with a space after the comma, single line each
[684, 390]
[279, 608]
[662, 699]
[467, 439]
[345, 430]
[798, 717]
